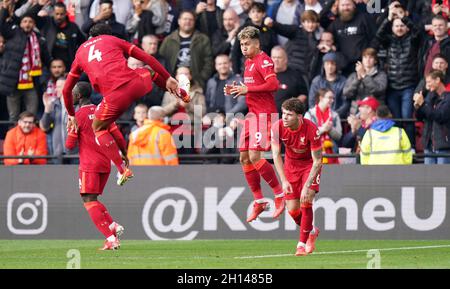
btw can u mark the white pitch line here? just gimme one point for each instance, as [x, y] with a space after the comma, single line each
[347, 251]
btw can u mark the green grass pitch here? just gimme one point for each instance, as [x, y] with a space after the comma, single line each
[225, 254]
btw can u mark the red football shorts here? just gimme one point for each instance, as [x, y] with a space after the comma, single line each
[115, 103]
[255, 135]
[92, 183]
[297, 175]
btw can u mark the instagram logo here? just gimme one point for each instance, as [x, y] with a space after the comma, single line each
[27, 213]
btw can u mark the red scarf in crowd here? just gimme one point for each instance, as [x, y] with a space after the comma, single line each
[31, 63]
[327, 143]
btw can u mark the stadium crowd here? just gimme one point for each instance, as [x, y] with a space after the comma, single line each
[380, 67]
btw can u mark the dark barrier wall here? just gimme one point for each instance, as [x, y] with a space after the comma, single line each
[212, 202]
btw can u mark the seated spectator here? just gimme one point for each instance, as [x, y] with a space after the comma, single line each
[329, 78]
[152, 144]
[106, 15]
[140, 115]
[225, 37]
[360, 123]
[139, 22]
[25, 139]
[302, 45]
[215, 96]
[186, 47]
[327, 122]
[54, 120]
[267, 37]
[434, 110]
[289, 84]
[385, 144]
[401, 38]
[286, 12]
[367, 80]
[439, 63]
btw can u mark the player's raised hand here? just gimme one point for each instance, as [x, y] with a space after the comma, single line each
[238, 90]
[72, 124]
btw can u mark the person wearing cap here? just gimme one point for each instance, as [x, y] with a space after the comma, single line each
[329, 78]
[385, 144]
[360, 123]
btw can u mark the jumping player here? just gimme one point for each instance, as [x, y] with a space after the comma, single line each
[94, 166]
[102, 58]
[300, 176]
[260, 83]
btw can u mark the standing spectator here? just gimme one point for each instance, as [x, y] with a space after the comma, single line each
[360, 123]
[365, 81]
[286, 12]
[302, 45]
[140, 115]
[139, 22]
[208, 17]
[54, 120]
[385, 144]
[23, 60]
[62, 36]
[105, 15]
[224, 38]
[439, 63]
[328, 123]
[289, 84]
[164, 16]
[152, 144]
[438, 44]
[81, 10]
[332, 79]
[434, 110]
[353, 31]
[190, 48]
[313, 5]
[215, 95]
[121, 9]
[401, 38]
[267, 37]
[25, 139]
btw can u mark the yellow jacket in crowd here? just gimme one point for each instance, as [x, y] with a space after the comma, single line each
[152, 145]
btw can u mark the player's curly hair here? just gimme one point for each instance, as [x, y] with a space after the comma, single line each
[100, 29]
[295, 105]
[249, 32]
[83, 89]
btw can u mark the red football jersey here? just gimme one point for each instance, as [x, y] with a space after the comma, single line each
[299, 143]
[92, 158]
[102, 58]
[257, 71]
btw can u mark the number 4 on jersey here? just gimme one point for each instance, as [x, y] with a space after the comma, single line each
[94, 54]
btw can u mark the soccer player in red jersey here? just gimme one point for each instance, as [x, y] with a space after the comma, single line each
[95, 166]
[260, 83]
[102, 58]
[300, 175]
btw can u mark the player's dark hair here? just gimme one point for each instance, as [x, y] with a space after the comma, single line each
[100, 29]
[383, 112]
[83, 89]
[295, 105]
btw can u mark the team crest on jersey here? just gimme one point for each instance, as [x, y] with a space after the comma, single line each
[302, 140]
[317, 135]
[266, 63]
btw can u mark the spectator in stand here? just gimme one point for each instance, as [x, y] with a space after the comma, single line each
[216, 100]
[164, 17]
[139, 22]
[441, 9]
[385, 144]
[360, 123]
[439, 63]
[186, 47]
[152, 144]
[208, 17]
[353, 31]
[367, 80]
[401, 38]
[287, 12]
[105, 15]
[289, 84]
[25, 139]
[80, 10]
[24, 58]
[62, 36]
[434, 110]
[329, 78]
[140, 115]
[329, 13]
[438, 44]
[328, 123]
[302, 45]
[314, 5]
[266, 36]
[121, 9]
[224, 38]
